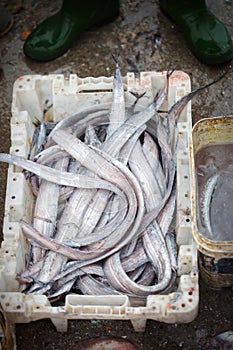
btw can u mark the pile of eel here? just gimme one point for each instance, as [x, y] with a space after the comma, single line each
[104, 182]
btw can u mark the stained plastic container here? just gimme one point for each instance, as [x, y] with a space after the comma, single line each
[61, 96]
[212, 159]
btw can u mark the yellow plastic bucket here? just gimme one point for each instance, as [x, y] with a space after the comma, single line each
[215, 255]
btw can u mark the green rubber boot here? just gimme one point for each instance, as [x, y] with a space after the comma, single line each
[55, 35]
[6, 20]
[207, 37]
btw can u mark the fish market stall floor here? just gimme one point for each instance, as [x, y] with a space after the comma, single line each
[133, 33]
[214, 318]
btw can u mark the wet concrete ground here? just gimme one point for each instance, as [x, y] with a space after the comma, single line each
[131, 34]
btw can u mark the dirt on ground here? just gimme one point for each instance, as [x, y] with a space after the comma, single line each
[147, 41]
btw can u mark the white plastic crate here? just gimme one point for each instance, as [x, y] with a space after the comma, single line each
[63, 97]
